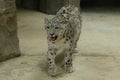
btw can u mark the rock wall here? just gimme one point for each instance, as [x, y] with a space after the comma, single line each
[19, 3]
[51, 6]
[75, 2]
[46, 6]
[100, 3]
[9, 43]
[30, 4]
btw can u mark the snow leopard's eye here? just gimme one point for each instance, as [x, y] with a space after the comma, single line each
[56, 27]
[48, 27]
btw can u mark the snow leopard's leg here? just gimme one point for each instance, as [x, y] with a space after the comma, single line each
[51, 62]
[68, 60]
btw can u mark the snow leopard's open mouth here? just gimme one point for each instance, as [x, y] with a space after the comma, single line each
[53, 37]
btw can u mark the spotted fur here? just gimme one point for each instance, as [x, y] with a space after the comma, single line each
[63, 32]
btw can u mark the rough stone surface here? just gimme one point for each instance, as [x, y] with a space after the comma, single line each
[47, 6]
[75, 2]
[30, 4]
[9, 44]
[19, 3]
[51, 6]
[7, 6]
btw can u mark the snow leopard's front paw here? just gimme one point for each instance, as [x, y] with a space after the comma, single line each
[69, 69]
[52, 71]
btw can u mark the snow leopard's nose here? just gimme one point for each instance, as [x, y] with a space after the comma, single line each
[52, 34]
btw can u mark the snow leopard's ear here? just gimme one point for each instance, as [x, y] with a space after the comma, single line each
[46, 21]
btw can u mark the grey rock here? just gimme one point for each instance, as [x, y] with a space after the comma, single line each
[19, 3]
[7, 6]
[46, 6]
[30, 4]
[75, 3]
[9, 43]
[51, 6]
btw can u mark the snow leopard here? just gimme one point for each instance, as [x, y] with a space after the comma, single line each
[63, 32]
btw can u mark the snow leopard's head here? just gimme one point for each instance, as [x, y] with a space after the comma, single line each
[54, 28]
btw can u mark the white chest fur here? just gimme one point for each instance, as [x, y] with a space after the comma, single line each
[59, 45]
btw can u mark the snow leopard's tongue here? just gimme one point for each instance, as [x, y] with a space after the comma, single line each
[53, 37]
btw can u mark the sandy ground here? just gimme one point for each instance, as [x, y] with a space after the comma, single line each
[99, 49]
